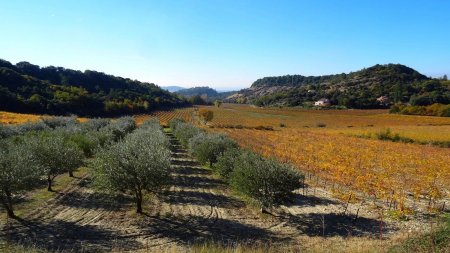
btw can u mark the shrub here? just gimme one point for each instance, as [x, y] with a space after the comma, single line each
[184, 132]
[138, 164]
[225, 162]
[95, 124]
[321, 124]
[54, 122]
[440, 110]
[173, 124]
[6, 131]
[53, 155]
[206, 115]
[267, 128]
[30, 127]
[266, 181]
[120, 127]
[17, 172]
[207, 147]
[387, 135]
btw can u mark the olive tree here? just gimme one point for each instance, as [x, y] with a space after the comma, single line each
[139, 163]
[226, 162]
[184, 132]
[30, 127]
[18, 172]
[207, 147]
[5, 131]
[94, 124]
[266, 181]
[60, 121]
[120, 127]
[54, 155]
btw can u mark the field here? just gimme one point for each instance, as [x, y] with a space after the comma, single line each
[359, 189]
[11, 118]
[341, 150]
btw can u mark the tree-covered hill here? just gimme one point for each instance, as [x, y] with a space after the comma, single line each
[198, 91]
[207, 93]
[396, 83]
[25, 87]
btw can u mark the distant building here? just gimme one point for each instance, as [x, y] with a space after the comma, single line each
[322, 102]
[384, 100]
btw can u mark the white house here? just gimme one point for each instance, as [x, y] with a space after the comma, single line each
[322, 102]
[384, 100]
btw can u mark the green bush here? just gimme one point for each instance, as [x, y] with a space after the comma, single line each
[18, 172]
[59, 121]
[225, 162]
[435, 241]
[207, 147]
[266, 181]
[6, 131]
[440, 110]
[184, 132]
[95, 124]
[138, 164]
[120, 127]
[53, 154]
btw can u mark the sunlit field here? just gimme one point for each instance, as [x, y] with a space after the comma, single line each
[10, 118]
[17, 118]
[327, 144]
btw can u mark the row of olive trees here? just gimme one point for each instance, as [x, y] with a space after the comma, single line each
[138, 164]
[266, 181]
[38, 151]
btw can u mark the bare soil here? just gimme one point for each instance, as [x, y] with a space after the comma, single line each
[198, 208]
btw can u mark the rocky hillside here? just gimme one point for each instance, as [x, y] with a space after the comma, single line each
[395, 83]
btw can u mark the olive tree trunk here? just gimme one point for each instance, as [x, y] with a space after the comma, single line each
[7, 203]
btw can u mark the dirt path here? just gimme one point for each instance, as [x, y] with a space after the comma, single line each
[197, 208]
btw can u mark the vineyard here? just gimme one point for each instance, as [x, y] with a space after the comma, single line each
[224, 179]
[404, 178]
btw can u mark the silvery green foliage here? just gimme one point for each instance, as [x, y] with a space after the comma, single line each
[266, 181]
[59, 121]
[18, 171]
[94, 124]
[120, 127]
[226, 162]
[6, 131]
[151, 125]
[21, 129]
[30, 127]
[173, 124]
[208, 147]
[184, 132]
[53, 154]
[137, 164]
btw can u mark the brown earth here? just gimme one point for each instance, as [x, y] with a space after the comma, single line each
[198, 208]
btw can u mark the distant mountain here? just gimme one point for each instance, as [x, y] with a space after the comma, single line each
[172, 88]
[376, 87]
[25, 87]
[207, 93]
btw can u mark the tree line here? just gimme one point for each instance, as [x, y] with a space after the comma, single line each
[25, 87]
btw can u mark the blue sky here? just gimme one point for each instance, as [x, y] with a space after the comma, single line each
[226, 44]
